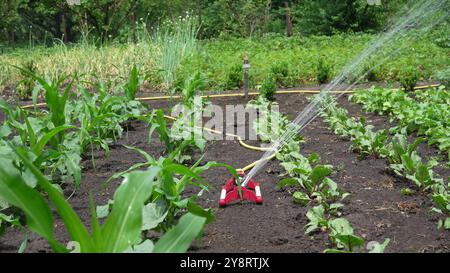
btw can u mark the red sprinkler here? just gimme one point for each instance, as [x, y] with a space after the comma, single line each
[230, 192]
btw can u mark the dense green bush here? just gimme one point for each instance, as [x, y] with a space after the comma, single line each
[323, 71]
[408, 78]
[280, 72]
[268, 88]
[235, 77]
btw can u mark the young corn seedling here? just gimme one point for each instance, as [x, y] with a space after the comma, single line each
[167, 200]
[34, 135]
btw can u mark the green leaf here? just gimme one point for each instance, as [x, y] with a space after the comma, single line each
[16, 192]
[377, 247]
[72, 222]
[145, 247]
[334, 250]
[123, 226]
[31, 133]
[301, 198]
[74, 168]
[132, 85]
[40, 145]
[350, 241]
[199, 211]
[179, 238]
[408, 163]
[288, 182]
[153, 214]
[318, 173]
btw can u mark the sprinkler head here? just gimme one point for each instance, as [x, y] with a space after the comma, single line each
[230, 191]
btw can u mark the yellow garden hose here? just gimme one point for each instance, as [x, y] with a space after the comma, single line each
[241, 142]
[242, 94]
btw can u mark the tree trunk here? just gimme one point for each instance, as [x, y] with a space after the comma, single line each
[288, 19]
[133, 25]
[58, 22]
[64, 28]
[13, 38]
[267, 14]
[200, 19]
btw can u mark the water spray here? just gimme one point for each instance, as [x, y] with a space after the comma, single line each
[422, 16]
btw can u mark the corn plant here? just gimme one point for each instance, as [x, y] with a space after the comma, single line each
[166, 200]
[120, 232]
[33, 135]
[56, 103]
[132, 86]
[26, 85]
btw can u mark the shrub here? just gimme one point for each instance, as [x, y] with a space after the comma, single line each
[372, 73]
[235, 77]
[408, 78]
[323, 71]
[268, 88]
[280, 72]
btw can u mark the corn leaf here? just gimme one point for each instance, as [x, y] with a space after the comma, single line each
[123, 226]
[181, 236]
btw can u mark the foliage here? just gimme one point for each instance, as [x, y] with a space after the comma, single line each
[167, 200]
[235, 78]
[409, 78]
[364, 139]
[280, 72]
[323, 71]
[220, 60]
[120, 231]
[428, 116]
[268, 88]
[26, 84]
[175, 42]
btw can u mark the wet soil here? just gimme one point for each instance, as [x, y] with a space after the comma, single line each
[376, 209]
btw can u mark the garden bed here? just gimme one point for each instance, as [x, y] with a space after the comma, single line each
[376, 208]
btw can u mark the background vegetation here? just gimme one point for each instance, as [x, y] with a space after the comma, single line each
[296, 42]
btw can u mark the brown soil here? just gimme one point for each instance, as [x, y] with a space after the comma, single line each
[376, 209]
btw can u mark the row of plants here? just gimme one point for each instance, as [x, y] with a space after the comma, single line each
[36, 160]
[167, 61]
[55, 140]
[307, 60]
[121, 231]
[427, 114]
[312, 185]
[404, 161]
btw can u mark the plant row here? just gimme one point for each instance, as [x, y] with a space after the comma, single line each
[312, 184]
[404, 161]
[427, 114]
[42, 152]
